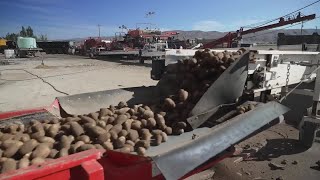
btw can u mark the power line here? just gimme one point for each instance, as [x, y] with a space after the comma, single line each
[277, 29]
[285, 15]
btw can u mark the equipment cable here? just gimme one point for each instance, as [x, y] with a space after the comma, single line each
[284, 97]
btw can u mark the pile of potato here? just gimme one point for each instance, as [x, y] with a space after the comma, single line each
[122, 128]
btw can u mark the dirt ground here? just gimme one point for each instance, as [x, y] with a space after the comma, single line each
[24, 83]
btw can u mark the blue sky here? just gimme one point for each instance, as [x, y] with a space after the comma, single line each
[62, 19]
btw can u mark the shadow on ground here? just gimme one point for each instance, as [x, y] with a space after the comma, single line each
[278, 147]
[133, 62]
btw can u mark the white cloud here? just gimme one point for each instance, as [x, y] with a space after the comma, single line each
[208, 25]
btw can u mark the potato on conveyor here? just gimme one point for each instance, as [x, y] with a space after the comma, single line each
[42, 151]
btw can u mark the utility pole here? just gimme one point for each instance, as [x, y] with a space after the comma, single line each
[99, 29]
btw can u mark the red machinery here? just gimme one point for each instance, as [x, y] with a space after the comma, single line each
[235, 36]
[137, 38]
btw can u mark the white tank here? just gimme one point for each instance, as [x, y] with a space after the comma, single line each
[9, 53]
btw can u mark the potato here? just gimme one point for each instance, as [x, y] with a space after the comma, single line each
[42, 151]
[102, 124]
[168, 130]
[72, 119]
[105, 118]
[108, 127]
[143, 143]
[148, 114]
[146, 108]
[123, 133]
[156, 131]
[134, 117]
[28, 146]
[63, 152]
[130, 142]
[250, 107]
[131, 111]
[183, 95]
[86, 119]
[116, 128]
[65, 141]
[120, 119]
[53, 130]
[37, 128]
[145, 134]
[21, 128]
[111, 120]
[37, 161]
[164, 137]
[75, 146]
[107, 145]
[169, 104]
[45, 139]
[37, 135]
[133, 135]
[46, 127]
[1, 153]
[12, 150]
[23, 163]
[113, 135]
[179, 131]
[7, 143]
[181, 125]
[119, 143]
[160, 120]
[33, 122]
[122, 104]
[122, 110]
[84, 138]
[151, 122]
[24, 137]
[162, 113]
[158, 139]
[53, 153]
[98, 146]
[54, 121]
[95, 131]
[141, 151]
[136, 125]
[144, 123]
[127, 125]
[8, 165]
[12, 128]
[103, 137]
[141, 110]
[94, 115]
[6, 136]
[85, 147]
[220, 55]
[129, 146]
[76, 129]
[124, 149]
[112, 108]
[104, 112]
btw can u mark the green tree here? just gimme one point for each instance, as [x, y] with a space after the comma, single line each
[11, 36]
[23, 32]
[29, 32]
[43, 37]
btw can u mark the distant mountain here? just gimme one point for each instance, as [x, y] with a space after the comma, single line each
[268, 36]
